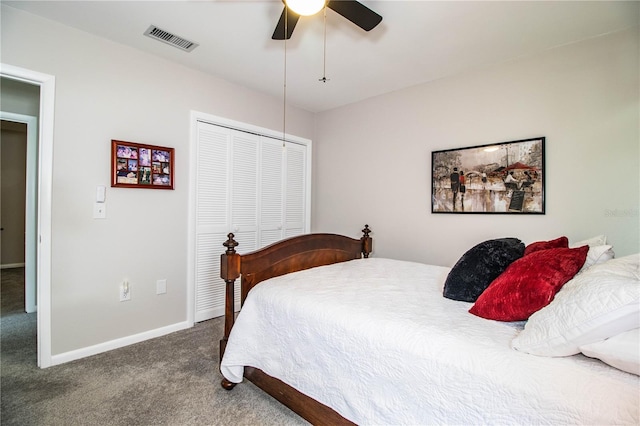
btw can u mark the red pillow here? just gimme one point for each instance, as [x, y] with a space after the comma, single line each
[529, 284]
[561, 242]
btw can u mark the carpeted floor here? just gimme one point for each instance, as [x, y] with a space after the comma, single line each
[171, 380]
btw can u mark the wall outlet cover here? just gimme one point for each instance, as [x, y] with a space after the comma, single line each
[125, 291]
[99, 210]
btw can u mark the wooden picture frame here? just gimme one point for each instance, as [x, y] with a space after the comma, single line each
[136, 165]
[500, 178]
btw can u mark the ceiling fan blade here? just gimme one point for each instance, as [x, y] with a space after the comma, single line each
[292, 20]
[356, 12]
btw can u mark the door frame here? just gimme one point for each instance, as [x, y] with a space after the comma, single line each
[44, 188]
[31, 223]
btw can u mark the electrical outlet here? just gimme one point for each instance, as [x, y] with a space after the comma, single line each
[99, 210]
[125, 291]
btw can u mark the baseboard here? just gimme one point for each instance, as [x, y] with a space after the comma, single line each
[12, 265]
[117, 343]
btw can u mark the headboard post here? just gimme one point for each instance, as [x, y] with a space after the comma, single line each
[366, 241]
[229, 272]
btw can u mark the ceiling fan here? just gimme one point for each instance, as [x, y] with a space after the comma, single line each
[353, 10]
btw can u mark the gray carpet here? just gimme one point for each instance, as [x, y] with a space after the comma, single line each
[171, 380]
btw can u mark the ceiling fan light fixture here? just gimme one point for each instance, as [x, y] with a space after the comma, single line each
[305, 7]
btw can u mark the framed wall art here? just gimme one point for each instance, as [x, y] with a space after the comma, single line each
[136, 165]
[504, 178]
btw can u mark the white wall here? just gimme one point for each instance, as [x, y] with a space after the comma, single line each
[108, 91]
[373, 158]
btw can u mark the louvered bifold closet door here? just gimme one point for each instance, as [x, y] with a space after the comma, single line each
[213, 150]
[244, 190]
[271, 191]
[252, 185]
[296, 176]
[244, 194]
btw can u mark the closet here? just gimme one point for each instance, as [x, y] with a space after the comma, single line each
[248, 182]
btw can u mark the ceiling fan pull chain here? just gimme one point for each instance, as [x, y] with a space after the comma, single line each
[284, 89]
[324, 78]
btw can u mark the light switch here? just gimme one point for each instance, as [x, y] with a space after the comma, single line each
[161, 286]
[99, 210]
[101, 194]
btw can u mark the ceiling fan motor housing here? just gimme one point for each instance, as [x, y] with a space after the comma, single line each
[352, 10]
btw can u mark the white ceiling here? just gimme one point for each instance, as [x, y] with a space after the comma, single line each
[417, 41]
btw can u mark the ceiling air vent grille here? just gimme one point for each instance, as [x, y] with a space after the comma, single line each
[166, 37]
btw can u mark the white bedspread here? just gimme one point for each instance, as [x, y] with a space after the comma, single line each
[375, 340]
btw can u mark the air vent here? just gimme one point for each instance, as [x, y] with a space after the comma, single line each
[166, 37]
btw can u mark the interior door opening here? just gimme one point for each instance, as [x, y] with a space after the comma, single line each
[44, 84]
[19, 199]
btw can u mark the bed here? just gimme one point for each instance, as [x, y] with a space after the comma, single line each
[341, 338]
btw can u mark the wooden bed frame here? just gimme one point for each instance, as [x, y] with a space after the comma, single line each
[290, 255]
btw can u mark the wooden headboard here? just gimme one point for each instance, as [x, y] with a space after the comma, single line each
[289, 255]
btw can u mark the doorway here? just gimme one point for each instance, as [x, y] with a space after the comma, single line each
[42, 197]
[19, 197]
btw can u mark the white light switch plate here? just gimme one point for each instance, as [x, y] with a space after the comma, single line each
[101, 192]
[161, 286]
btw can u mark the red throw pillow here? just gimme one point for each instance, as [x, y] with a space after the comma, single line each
[529, 284]
[560, 242]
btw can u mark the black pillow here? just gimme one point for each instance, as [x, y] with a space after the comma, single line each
[479, 266]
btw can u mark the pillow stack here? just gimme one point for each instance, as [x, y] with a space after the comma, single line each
[596, 313]
[577, 298]
[530, 282]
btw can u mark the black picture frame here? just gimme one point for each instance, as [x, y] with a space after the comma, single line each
[499, 178]
[136, 165]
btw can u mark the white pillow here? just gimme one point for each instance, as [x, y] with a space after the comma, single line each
[599, 251]
[621, 351]
[598, 240]
[597, 254]
[599, 303]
